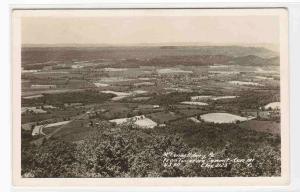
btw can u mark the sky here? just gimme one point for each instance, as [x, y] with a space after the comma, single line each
[148, 29]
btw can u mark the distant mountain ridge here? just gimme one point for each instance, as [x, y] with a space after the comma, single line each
[270, 46]
[162, 55]
[255, 60]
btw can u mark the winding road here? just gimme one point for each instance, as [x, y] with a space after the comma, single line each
[39, 141]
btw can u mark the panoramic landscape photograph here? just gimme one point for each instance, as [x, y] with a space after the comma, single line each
[150, 94]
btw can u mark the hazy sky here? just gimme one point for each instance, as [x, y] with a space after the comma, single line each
[150, 29]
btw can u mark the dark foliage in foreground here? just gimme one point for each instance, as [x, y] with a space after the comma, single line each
[131, 152]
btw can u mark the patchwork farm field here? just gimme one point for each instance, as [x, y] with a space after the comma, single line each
[125, 106]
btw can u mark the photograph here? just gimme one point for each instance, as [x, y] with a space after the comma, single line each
[151, 93]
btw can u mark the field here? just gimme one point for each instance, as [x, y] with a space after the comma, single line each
[262, 126]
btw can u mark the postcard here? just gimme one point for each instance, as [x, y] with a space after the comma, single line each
[150, 97]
